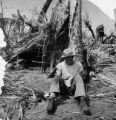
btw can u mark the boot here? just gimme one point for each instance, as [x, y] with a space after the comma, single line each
[84, 106]
[51, 108]
[77, 99]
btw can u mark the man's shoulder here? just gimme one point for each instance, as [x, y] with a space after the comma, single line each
[78, 63]
[79, 66]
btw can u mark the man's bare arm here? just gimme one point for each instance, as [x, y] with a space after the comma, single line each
[58, 74]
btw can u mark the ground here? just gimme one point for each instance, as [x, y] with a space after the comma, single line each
[20, 82]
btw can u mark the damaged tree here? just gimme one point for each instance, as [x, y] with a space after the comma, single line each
[45, 7]
[47, 43]
[43, 12]
[76, 42]
[100, 34]
[22, 26]
[76, 31]
[59, 30]
[34, 43]
[88, 25]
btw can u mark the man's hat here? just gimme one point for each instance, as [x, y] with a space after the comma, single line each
[68, 53]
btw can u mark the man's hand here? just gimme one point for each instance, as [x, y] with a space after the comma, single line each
[58, 72]
[92, 74]
[68, 82]
[83, 74]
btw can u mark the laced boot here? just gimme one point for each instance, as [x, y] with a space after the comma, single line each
[51, 108]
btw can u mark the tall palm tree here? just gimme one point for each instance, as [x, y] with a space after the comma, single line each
[76, 32]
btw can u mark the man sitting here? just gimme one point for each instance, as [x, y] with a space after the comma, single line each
[68, 72]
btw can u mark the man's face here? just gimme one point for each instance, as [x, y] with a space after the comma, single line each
[69, 60]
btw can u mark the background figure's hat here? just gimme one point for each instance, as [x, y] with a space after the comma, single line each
[68, 53]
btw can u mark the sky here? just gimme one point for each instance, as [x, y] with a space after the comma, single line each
[2, 43]
[107, 6]
[2, 61]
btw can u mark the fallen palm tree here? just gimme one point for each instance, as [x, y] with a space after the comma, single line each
[11, 29]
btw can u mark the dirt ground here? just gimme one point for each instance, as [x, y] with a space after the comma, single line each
[102, 104]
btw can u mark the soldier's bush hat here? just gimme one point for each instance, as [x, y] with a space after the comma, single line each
[68, 53]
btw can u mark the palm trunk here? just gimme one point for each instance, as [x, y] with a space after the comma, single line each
[59, 15]
[79, 32]
[45, 7]
[76, 32]
[44, 10]
[87, 24]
